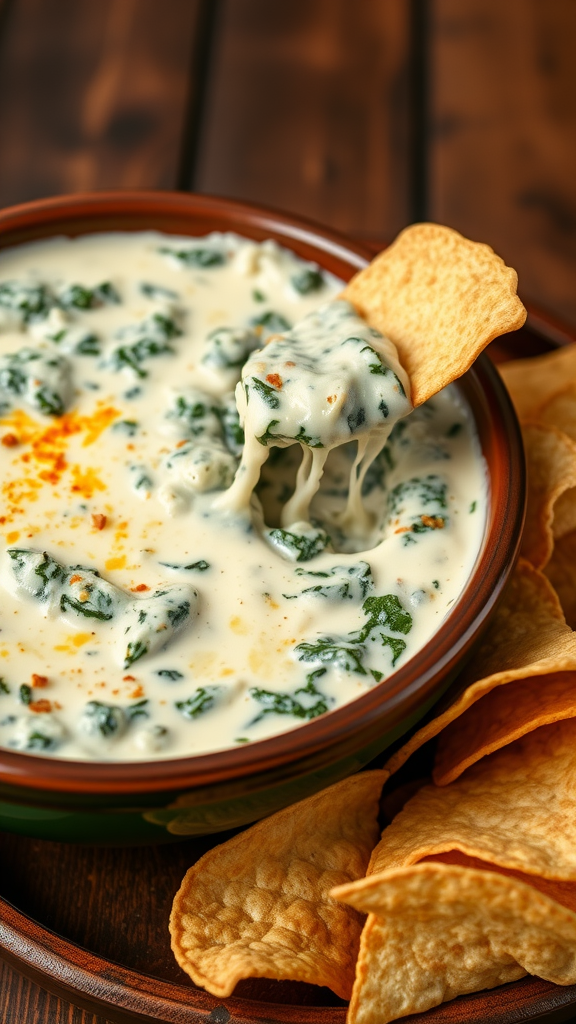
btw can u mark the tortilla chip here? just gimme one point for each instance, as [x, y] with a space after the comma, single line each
[531, 382]
[565, 514]
[559, 410]
[516, 808]
[561, 571]
[259, 905]
[551, 470]
[502, 716]
[563, 893]
[441, 299]
[436, 931]
[527, 637]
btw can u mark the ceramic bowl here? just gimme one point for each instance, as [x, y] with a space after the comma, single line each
[162, 800]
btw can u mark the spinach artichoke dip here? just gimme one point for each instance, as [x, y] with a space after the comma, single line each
[220, 516]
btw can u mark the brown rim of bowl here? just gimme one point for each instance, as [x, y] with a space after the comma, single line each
[85, 213]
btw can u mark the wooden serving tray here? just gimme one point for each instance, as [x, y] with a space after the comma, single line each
[90, 924]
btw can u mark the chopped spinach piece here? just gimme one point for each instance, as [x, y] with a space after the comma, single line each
[231, 429]
[428, 490]
[152, 622]
[140, 479]
[308, 280]
[270, 322]
[299, 547]
[283, 704]
[396, 645]
[454, 430]
[258, 296]
[26, 302]
[344, 582]
[151, 338]
[90, 596]
[266, 392]
[201, 257]
[172, 674]
[138, 710]
[473, 506]
[105, 720]
[25, 694]
[157, 291]
[199, 566]
[201, 700]
[78, 296]
[40, 378]
[37, 573]
[229, 347]
[88, 345]
[4, 688]
[127, 427]
[194, 413]
[384, 611]
[344, 654]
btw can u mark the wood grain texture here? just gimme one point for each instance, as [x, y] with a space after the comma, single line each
[503, 136]
[307, 110]
[93, 95]
[22, 1002]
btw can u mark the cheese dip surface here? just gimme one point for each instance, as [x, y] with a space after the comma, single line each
[220, 517]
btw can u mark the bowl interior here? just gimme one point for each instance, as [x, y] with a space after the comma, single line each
[408, 688]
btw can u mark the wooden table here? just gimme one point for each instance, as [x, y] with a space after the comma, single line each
[363, 115]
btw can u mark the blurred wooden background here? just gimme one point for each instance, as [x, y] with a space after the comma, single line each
[362, 114]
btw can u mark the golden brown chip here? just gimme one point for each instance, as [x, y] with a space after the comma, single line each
[551, 470]
[531, 382]
[502, 716]
[259, 905]
[559, 410]
[561, 571]
[436, 931]
[527, 637]
[516, 809]
[565, 514]
[441, 299]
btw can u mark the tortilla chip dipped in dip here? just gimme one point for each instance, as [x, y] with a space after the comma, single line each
[259, 905]
[496, 896]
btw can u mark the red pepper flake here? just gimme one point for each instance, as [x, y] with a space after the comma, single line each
[275, 380]
[99, 521]
[402, 529]
[331, 398]
[10, 440]
[129, 679]
[181, 443]
[40, 707]
[75, 578]
[289, 363]
[39, 681]
[433, 522]
[139, 589]
[138, 691]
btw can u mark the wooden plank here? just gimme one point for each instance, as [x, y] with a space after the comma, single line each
[93, 95]
[307, 110]
[504, 136]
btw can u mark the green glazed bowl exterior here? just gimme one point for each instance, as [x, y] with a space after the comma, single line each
[159, 801]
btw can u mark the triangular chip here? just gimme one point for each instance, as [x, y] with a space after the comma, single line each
[259, 905]
[561, 571]
[551, 470]
[441, 299]
[436, 931]
[560, 410]
[502, 716]
[516, 808]
[527, 637]
[531, 382]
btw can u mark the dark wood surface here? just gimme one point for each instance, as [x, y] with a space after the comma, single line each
[364, 116]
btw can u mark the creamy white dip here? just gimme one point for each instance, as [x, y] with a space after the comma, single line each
[152, 605]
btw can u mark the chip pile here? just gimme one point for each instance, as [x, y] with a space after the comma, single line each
[473, 883]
